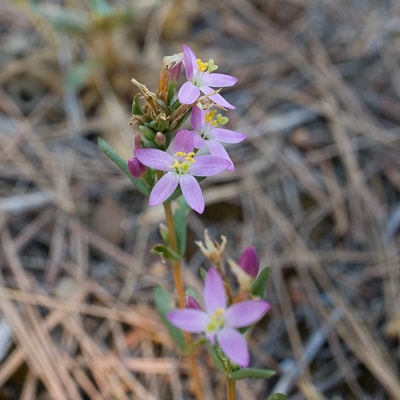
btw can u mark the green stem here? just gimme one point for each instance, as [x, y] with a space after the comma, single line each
[180, 289]
[230, 389]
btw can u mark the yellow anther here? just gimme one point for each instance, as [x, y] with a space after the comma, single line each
[190, 157]
[180, 154]
[216, 320]
[176, 164]
[202, 65]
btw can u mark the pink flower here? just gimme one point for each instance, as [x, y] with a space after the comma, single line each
[206, 132]
[200, 78]
[181, 169]
[218, 322]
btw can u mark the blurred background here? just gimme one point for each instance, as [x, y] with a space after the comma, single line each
[316, 191]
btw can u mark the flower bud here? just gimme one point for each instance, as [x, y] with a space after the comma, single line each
[160, 139]
[191, 302]
[249, 261]
[136, 168]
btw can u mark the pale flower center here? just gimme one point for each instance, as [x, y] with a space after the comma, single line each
[183, 161]
[216, 321]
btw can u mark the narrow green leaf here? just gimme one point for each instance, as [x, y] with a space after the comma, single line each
[163, 306]
[258, 288]
[166, 252]
[214, 355]
[122, 164]
[180, 221]
[277, 396]
[259, 373]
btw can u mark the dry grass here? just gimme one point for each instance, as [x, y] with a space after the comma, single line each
[316, 190]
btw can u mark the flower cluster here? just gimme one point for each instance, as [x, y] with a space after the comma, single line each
[167, 158]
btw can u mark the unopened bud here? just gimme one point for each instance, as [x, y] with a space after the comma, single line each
[191, 302]
[136, 168]
[160, 139]
[249, 261]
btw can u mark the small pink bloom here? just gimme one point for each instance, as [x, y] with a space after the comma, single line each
[218, 322]
[201, 79]
[180, 169]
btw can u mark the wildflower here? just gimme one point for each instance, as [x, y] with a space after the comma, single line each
[181, 169]
[206, 132]
[200, 78]
[218, 322]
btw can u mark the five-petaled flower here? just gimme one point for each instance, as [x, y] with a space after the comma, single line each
[180, 169]
[200, 78]
[206, 132]
[218, 322]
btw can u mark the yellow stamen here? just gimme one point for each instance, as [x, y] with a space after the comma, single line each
[202, 65]
[216, 321]
[183, 166]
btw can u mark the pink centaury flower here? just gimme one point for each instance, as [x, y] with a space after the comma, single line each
[181, 169]
[218, 322]
[206, 132]
[249, 261]
[200, 78]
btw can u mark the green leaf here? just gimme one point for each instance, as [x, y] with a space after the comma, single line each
[180, 221]
[166, 252]
[163, 306]
[277, 396]
[214, 355]
[244, 373]
[122, 164]
[258, 288]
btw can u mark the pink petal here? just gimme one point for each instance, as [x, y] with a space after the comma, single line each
[190, 62]
[189, 320]
[183, 142]
[219, 80]
[245, 313]
[216, 98]
[234, 346]
[249, 261]
[188, 93]
[155, 158]
[216, 149]
[197, 118]
[214, 292]
[208, 165]
[163, 188]
[198, 140]
[228, 136]
[192, 193]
